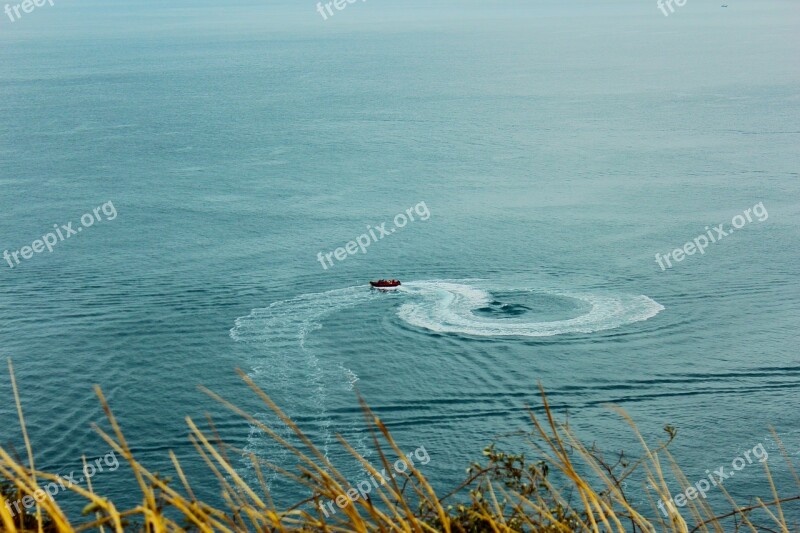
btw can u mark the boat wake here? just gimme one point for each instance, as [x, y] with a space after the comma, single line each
[276, 339]
[450, 307]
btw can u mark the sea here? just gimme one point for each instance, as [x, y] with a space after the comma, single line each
[529, 164]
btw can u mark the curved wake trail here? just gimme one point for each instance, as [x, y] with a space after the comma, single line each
[448, 307]
[288, 369]
[290, 372]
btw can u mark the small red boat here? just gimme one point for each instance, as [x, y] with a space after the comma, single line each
[385, 283]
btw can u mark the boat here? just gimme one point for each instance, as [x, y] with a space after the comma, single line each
[385, 284]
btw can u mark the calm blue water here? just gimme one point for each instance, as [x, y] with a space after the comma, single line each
[557, 149]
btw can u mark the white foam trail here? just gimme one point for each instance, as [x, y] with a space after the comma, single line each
[448, 307]
[350, 376]
[284, 364]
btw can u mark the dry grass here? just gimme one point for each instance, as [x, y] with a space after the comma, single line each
[505, 493]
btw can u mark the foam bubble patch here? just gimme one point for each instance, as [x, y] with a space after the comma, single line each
[449, 307]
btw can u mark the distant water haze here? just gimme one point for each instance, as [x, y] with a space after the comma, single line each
[558, 145]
